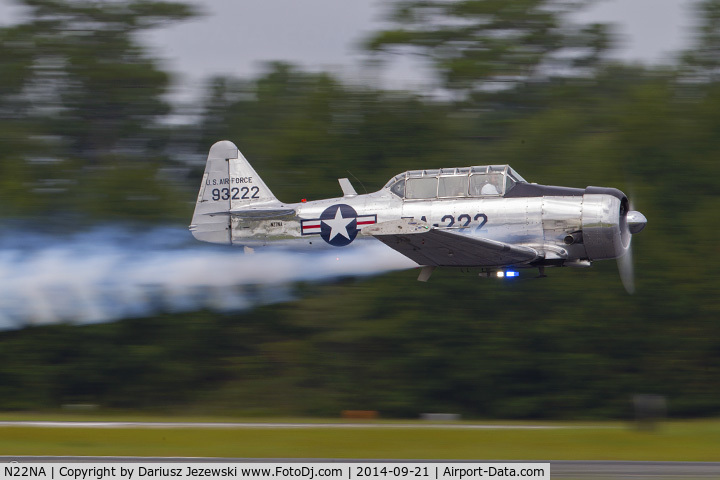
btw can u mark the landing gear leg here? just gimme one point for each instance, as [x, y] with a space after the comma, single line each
[541, 271]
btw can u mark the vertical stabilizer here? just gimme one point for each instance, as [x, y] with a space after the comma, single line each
[229, 184]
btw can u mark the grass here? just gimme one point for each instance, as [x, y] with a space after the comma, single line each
[673, 441]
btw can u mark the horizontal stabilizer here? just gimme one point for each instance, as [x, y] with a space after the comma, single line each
[260, 213]
[255, 213]
[426, 245]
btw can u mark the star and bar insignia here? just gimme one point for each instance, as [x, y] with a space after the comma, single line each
[338, 225]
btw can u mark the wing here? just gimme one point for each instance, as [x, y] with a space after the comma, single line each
[426, 245]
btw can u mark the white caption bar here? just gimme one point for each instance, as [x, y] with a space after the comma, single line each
[277, 470]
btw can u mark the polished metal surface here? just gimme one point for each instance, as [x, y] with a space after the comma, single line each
[493, 205]
[604, 227]
[636, 221]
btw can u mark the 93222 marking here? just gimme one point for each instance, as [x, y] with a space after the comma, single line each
[235, 193]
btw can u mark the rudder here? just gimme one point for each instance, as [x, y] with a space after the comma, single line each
[228, 184]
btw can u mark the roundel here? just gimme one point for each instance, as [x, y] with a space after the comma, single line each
[338, 225]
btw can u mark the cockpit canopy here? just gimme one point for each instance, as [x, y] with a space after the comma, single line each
[486, 181]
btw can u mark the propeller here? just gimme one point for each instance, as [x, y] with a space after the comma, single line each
[627, 271]
[632, 222]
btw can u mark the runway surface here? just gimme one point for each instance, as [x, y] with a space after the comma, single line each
[560, 469]
[580, 469]
[230, 425]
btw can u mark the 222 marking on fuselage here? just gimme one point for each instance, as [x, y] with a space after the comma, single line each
[487, 217]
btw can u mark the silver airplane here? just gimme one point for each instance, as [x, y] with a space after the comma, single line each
[485, 217]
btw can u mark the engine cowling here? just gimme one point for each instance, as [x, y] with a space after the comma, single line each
[605, 229]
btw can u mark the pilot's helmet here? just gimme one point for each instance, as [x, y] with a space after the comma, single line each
[489, 189]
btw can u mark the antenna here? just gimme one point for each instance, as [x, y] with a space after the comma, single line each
[356, 178]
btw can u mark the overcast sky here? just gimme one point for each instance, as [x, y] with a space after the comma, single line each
[236, 36]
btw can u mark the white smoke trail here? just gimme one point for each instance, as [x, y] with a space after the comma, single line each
[110, 273]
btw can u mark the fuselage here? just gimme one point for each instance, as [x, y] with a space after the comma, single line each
[563, 226]
[552, 224]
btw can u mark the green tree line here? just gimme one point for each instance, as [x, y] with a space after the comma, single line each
[84, 137]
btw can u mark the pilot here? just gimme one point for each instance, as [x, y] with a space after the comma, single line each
[492, 187]
[489, 189]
